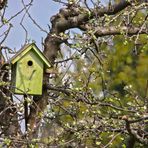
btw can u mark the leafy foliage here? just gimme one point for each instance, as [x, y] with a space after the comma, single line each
[97, 96]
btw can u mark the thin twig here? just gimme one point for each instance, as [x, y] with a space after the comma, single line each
[38, 26]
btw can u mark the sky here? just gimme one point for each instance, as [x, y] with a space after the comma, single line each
[41, 11]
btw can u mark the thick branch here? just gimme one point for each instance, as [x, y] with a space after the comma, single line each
[3, 4]
[61, 24]
[114, 30]
[138, 120]
[74, 18]
[134, 134]
[59, 89]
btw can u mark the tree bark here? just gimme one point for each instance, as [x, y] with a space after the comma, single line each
[67, 18]
[3, 4]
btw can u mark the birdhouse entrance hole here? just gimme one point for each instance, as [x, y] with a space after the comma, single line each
[28, 66]
[30, 63]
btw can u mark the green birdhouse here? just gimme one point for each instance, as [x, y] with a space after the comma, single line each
[27, 67]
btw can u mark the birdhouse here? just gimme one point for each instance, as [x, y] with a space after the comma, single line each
[27, 67]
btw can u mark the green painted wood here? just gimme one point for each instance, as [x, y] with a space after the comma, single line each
[29, 78]
[28, 48]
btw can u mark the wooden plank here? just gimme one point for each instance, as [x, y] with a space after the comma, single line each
[29, 78]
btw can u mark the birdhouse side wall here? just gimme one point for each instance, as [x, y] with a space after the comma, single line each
[13, 77]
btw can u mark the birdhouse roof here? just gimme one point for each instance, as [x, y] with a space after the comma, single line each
[25, 49]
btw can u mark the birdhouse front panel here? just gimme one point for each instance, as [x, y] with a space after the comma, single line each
[29, 74]
[27, 67]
